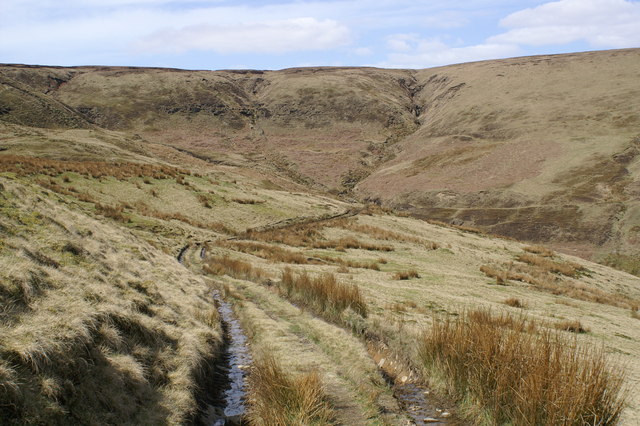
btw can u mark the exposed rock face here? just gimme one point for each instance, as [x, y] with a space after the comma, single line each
[541, 148]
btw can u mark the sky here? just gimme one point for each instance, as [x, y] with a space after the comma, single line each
[247, 34]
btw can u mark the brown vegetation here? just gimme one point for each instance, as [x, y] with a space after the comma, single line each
[235, 268]
[279, 254]
[539, 250]
[574, 326]
[514, 302]
[512, 375]
[564, 268]
[324, 294]
[25, 166]
[406, 275]
[277, 398]
[539, 272]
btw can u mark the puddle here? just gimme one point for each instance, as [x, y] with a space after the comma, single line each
[183, 251]
[234, 362]
[415, 399]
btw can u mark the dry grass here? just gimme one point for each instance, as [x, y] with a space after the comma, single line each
[279, 254]
[573, 326]
[310, 235]
[277, 398]
[539, 272]
[324, 294]
[510, 375]
[539, 250]
[377, 232]
[112, 212]
[406, 275]
[88, 330]
[25, 166]
[350, 243]
[234, 268]
[514, 302]
[564, 268]
[143, 209]
[247, 201]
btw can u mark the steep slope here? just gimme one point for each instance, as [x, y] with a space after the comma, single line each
[112, 248]
[541, 148]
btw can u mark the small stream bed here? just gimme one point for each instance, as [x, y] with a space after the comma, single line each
[229, 406]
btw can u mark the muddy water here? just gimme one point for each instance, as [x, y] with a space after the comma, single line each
[235, 360]
[415, 399]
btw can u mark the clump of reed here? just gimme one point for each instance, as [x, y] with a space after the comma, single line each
[25, 166]
[564, 268]
[509, 372]
[236, 268]
[278, 398]
[324, 293]
[406, 275]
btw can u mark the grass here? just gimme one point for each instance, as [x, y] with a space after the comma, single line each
[95, 326]
[514, 302]
[573, 326]
[564, 268]
[406, 275]
[539, 250]
[511, 375]
[324, 293]
[279, 254]
[25, 166]
[278, 398]
[234, 268]
[542, 274]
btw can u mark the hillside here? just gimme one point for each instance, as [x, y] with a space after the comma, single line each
[156, 223]
[543, 149]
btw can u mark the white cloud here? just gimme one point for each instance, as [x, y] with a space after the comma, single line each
[601, 23]
[411, 51]
[263, 37]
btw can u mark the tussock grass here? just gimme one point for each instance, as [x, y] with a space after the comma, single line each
[88, 331]
[248, 201]
[25, 166]
[112, 212]
[564, 268]
[236, 268]
[514, 302]
[324, 294]
[350, 243]
[573, 326]
[406, 275]
[283, 255]
[539, 272]
[269, 252]
[539, 250]
[511, 375]
[145, 210]
[278, 398]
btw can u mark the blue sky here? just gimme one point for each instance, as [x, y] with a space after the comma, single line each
[221, 34]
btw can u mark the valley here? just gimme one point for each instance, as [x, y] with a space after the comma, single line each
[358, 227]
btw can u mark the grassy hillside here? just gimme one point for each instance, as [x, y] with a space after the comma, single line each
[134, 200]
[550, 140]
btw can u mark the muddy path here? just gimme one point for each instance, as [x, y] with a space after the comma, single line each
[416, 400]
[229, 405]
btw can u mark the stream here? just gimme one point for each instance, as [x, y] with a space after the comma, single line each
[234, 361]
[414, 399]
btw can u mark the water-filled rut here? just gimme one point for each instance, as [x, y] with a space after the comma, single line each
[233, 364]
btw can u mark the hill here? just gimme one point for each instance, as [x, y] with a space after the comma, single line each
[154, 221]
[543, 149]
